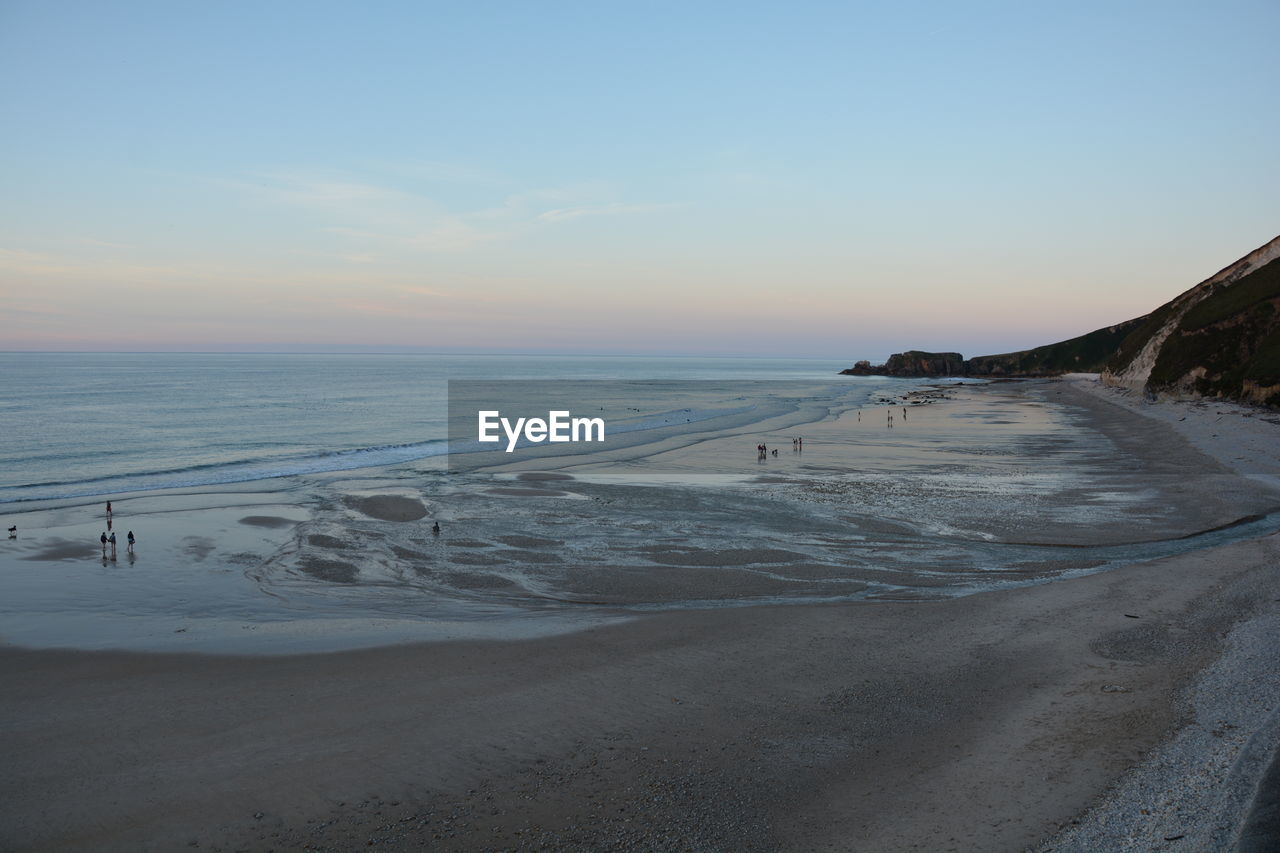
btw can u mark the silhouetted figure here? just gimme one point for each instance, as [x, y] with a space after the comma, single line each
[131, 541]
[103, 539]
[108, 507]
[435, 528]
[112, 540]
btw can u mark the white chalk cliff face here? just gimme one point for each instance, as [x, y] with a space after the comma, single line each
[1136, 372]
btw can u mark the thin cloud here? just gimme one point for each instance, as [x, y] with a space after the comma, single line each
[387, 217]
[435, 171]
[23, 262]
[360, 258]
[106, 244]
[522, 206]
[311, 190]
[565, 214]
[444, 234]
[372, 213]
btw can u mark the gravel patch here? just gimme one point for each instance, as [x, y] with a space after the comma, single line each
[1194, 793]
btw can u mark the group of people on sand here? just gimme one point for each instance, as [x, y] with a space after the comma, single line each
[888, 415]
[763, 451]
[111, 539]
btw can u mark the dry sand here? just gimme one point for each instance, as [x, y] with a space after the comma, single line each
[980, 723]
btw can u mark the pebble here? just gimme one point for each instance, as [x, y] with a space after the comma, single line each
[1197, 788]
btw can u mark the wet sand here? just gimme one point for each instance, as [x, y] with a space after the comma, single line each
[985, 722]
[980, 723]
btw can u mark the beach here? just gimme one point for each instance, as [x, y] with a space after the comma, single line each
[916, 700]
[783, 429]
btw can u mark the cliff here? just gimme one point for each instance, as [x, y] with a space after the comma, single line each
[1221, 338]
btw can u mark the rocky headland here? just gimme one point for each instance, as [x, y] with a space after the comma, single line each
[913, 363]
[1219, 339]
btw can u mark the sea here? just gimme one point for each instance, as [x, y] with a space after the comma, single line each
[85, 424]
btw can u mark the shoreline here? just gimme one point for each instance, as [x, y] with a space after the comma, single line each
[1201, 788]
[974, 723]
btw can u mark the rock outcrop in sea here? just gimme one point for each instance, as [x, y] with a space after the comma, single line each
[913, 363]
[1221, 338]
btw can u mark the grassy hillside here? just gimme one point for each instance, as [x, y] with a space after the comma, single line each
[1228, 344]
[1085, 354]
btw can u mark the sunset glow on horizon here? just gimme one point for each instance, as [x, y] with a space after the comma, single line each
[813, 180]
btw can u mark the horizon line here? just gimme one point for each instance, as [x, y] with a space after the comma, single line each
[414, 352]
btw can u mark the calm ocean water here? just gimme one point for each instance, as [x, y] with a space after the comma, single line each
[76, 424]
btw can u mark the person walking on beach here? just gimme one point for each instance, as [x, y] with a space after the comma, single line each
[112, 540]
[108, 509]
[131, 541]
[103, 538]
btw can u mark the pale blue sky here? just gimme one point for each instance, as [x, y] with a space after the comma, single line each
[808, 179]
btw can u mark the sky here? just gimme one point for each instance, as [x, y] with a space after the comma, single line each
[800, 179]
